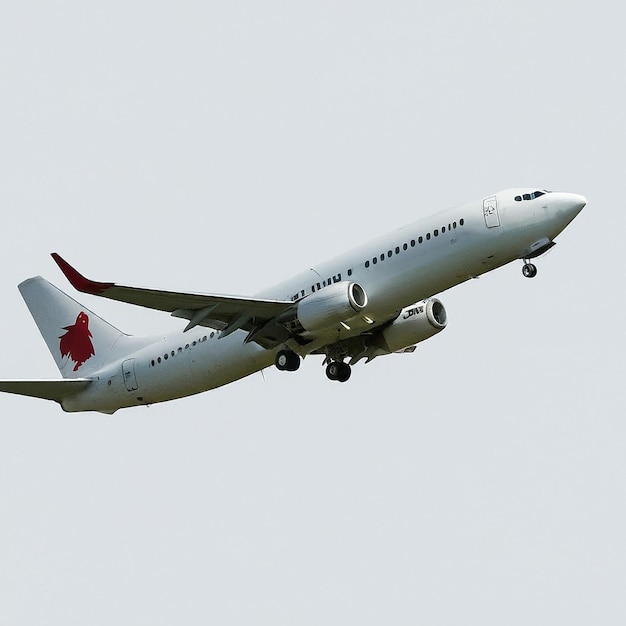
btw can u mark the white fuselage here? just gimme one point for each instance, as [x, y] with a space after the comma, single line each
[395, 270]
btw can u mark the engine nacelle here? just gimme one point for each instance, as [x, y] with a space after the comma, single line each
[414, 324]
[330, 305]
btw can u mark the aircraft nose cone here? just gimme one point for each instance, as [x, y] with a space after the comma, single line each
[572, 204]
[579, 202]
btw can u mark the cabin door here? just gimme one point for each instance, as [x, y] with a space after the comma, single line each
[128, 373]
[490, 211]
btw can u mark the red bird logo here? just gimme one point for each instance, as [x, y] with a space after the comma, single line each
[76, 343]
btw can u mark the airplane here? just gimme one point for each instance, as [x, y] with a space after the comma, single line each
[374, 300]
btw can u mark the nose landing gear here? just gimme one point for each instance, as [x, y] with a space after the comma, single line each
[528, 269]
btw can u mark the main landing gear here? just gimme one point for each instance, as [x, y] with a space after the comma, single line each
[529, 270]
[287, 361]
[339, 371]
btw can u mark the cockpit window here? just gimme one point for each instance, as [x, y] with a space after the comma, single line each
[531, 196]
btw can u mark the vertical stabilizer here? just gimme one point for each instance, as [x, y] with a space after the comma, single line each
[80, 341]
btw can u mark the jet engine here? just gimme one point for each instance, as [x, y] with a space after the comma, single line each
[330, 305]
[414, 324]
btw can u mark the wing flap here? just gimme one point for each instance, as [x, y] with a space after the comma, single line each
[56, 389]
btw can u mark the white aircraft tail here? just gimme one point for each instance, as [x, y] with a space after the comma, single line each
[80, 341]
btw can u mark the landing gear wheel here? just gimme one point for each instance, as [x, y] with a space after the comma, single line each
[529, 270]
[345, 372]
[338, 371]
[287, 361]
[332, 370]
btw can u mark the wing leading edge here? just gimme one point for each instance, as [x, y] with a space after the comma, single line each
[226, 313]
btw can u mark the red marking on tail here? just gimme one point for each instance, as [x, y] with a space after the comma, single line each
[76, 342]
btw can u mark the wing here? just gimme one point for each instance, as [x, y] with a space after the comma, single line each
[56, 390]
[226, 313]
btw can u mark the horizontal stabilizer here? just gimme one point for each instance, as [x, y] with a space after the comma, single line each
[56, 389]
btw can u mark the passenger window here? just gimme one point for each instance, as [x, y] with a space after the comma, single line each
[412, 243]
[382, 256]
[367, 263]
[398, 250]
[420, 239]
[461, 221]
[428, 236]
[405, 247]
[436, 233]
[374, 260]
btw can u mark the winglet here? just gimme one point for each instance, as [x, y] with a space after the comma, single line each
[78, 281]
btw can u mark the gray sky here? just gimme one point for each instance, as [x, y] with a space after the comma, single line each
[221, 147]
